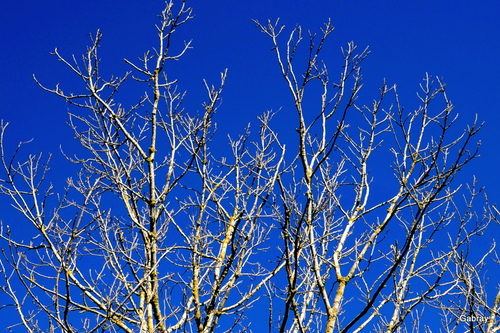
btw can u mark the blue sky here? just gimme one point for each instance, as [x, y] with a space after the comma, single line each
[458, 41]
[455, 40]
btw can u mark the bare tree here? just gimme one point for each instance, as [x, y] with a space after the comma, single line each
[176, 253]
[159, 232]
[360, 253]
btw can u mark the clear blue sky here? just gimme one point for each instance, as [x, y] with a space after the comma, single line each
[456, 40]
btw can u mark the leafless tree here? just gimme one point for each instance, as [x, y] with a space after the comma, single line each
[177, 252]
[361, 253]
[160, 232]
